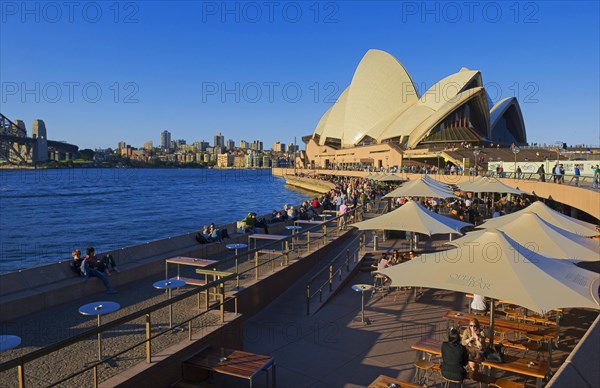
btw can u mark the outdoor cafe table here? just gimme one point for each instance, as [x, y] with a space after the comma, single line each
[169, 285]
[384, 381]
[234, 363]
[260, 236]
[9, 342]
[99, 309]
[533, 368]
[503, 325]
[188, 261]
[522, 366]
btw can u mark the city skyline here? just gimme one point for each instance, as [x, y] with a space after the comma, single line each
[270, 71]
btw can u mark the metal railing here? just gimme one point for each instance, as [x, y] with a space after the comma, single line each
[335, 267]
[227, 282]
[21, 362]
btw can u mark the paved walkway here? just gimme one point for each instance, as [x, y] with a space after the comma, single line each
[332, 348]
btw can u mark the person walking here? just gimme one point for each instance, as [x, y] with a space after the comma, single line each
[542, 173]
[577, 174]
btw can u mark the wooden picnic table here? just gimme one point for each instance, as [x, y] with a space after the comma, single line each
[503, 325]
[236, 363]
[384, 381]
[524, 366]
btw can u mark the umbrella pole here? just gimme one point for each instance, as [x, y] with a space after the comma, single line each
[492, 312]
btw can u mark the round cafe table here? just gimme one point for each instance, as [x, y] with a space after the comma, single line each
[9, 342]
[294, 229]
[99, 309]
[236, 247]
[169, 285]
[362, 288]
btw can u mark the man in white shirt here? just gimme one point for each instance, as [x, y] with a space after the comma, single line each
[478, 305]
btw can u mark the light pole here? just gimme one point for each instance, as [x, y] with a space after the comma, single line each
[515, 149]
[476, 154]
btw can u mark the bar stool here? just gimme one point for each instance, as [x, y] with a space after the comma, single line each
[379, 284]
[426, 367]
[451, 383]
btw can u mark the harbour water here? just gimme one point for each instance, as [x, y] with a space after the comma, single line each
[45, 214]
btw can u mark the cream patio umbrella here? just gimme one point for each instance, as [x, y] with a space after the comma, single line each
[498, 267]
[390, 178]
[421, 188]
[413, 217]
[489, 185]
[532, 232]
[551, 216]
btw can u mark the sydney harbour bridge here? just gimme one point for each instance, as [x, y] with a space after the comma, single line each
[19, 149]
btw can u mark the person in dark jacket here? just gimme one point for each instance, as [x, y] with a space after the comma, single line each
[454, 358]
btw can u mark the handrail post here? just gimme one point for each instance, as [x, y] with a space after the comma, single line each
[287, 253]
[148, 343]
[308, 299]
[256, 265]
[95, 373]
[330, 277]
[190, 329]
[21, 375]
[308, 242]
[222, 295]
[325, 233]
[347, 257]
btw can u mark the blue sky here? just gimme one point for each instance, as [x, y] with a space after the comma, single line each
[101, 72]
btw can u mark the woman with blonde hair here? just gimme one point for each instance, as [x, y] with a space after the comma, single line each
[473, 338]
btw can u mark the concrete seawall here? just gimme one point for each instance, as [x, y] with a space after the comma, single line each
[306, 183]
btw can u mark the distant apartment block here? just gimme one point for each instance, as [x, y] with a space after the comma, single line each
[225, 160]
[165, 139]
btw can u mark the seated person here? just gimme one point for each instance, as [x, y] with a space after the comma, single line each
[77, 262]
[473, 338]
[217, 234]
[101, 265]
[203, 236]
[87, 270]
[478, 305]
[396, 259]
[275, 217]
[454, 357]
[383, 262]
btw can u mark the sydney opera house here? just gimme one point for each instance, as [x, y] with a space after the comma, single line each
[381, 118]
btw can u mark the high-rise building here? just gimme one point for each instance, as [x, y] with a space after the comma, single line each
[219, 140]
[257, 145]
[230, 145]
[278, 147]
[121, 144]
[165, 139]
[243, 144]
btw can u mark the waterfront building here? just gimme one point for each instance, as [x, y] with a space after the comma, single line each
[121, 144]
[149, 145]
[165, 139]
[225, 160]
[380, 115]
